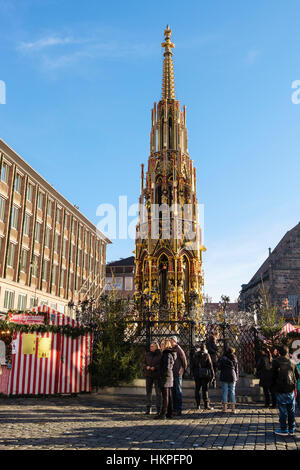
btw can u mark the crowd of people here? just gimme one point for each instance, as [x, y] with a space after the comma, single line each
[165, 364]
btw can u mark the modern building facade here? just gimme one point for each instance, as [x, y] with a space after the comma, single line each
[168, 240]
[120, 275]
[280, 276]
[49, 252]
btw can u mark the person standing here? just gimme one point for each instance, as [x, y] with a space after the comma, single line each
[264, 373]
[284, 379]
[151, 371]
[212, 348]
[228, 365]
[180, 367]
[203, 372]
[166, 378]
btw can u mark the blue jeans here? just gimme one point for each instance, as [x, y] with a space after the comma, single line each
[286, 404]
[298, 399]
[177, 394]
[228, 387]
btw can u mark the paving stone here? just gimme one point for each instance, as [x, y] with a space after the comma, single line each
[111, 422]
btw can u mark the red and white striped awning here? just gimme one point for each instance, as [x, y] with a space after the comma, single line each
[56, 318]
[288, 328]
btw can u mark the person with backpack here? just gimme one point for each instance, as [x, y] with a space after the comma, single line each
[264, 373]
[284, 378]
[228, 365]
[203, 371]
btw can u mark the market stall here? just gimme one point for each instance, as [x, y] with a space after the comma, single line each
[49, 353]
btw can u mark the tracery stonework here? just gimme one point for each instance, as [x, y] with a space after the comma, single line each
[168, 251]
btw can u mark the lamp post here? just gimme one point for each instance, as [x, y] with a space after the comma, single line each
[223, 305]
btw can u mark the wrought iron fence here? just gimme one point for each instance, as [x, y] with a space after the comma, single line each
[147, 331]
[243, 339]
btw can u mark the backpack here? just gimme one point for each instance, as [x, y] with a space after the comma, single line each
[286, 377]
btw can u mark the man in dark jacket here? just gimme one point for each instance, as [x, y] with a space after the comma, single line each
[203, 372]
[284, 379]
[264, 373]
[151, 371]
[179, 368]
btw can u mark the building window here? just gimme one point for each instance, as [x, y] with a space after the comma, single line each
[78, 256]
[64, 251]
[56, 243]
[66, 222]
[35, 265]
[84, 260]
[47, 237]
[33, 302]
[2, 208]
[49, 208]
[37, 235]
[29, 192]
[14, 217]
[54, 271]
[128, 283]
[44, 302]
[4, 173]
[58, 216]
[22, 301]
[26, 225]
[9, 299]
[40, 201]
[54, 306]
[70, 282]
[45, 270]
[18, 183]
[23, 260]
[11, 255]
[62, 278]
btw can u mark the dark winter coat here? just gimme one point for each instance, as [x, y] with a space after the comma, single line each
[289, 368]
[229, 369]
[152, 359]
[166, 377]
[212, 348]
[264, 371]
[202, 360]
[180, 363]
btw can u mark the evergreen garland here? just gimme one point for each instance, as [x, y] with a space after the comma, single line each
[66, 330]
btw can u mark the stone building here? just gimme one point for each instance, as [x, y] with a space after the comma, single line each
[120, 275]
[168, 241]
[280, 274]
[50, 253]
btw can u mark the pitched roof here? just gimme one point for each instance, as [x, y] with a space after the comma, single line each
[282, 249]
[123, 262]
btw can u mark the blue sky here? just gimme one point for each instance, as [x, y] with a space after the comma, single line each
[81, 79]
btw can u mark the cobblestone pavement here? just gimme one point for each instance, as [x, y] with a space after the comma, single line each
[110, 422]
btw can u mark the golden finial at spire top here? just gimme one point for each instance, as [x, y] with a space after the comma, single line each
[168, 91]
[168, 45]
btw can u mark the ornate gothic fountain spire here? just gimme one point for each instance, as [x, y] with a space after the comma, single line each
[168, 87]
[169, 260]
